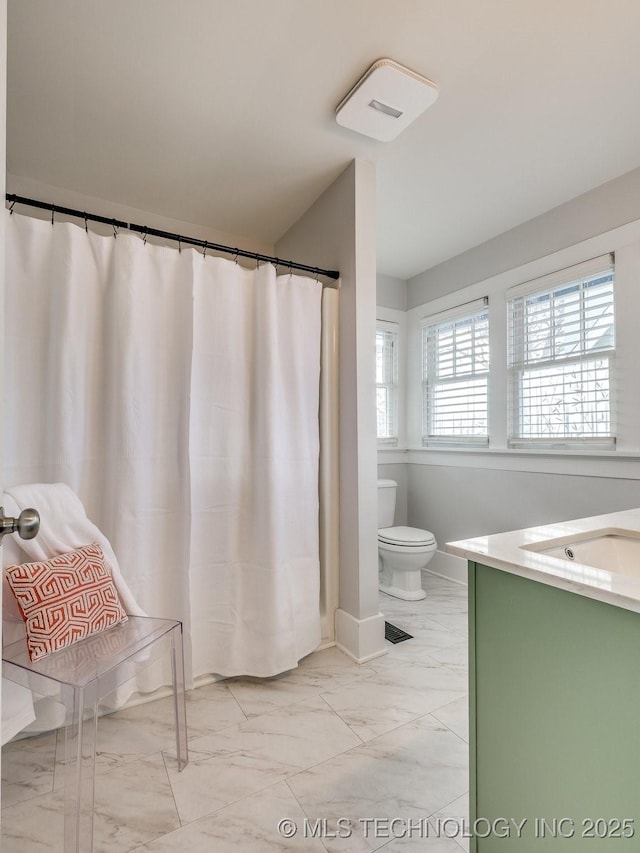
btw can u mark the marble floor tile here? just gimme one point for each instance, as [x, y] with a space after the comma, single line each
[128, 736]
[396, 607]
[35, 825]
[210, 709]
[455, 656]
[453, 821]
[245, 758]
[414, 650]
[133, 805]
[218, 775]
[304, 734]
[316, 673]
[455, 716]
[260, 696]
[144, 729]
[328, 669]
[28, 767]
[457, 622]
[230, 829]
[439, 588]
[419, 672]
[426, 633]
[407, 774]
[397, 694]
[423, 841]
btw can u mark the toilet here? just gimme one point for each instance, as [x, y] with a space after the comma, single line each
[402, 551]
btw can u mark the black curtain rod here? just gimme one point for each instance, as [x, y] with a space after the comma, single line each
[168, 235]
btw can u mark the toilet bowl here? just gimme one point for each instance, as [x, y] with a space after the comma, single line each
[402, 551]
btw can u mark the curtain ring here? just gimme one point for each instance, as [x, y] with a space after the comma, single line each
[113, 225]
[257, 261]
[86, 223]
[144, 236]
[235, 256]
[11, 206]
[179, 246]
[53, 208]
[204, 251]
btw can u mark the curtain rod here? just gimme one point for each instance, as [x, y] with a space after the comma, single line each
[168, 235]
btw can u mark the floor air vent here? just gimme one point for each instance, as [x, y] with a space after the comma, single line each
[395, 635]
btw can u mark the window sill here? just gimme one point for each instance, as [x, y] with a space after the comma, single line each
[531, 451]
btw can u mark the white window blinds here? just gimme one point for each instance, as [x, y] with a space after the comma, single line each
[561, 355]
[387, 381]
[455, 347]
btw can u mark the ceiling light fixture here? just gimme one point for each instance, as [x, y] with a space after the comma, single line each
[386, 99]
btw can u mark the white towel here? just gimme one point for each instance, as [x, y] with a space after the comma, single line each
[64, 526]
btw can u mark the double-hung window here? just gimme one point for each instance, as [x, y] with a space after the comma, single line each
[455, 358]
[561, 355]
[387, 381]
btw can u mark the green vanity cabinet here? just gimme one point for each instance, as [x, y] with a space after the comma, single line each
[555, 718]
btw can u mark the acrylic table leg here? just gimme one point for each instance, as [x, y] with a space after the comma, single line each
[80, 762]
[177, 668]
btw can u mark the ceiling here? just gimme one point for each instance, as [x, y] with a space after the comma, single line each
[221, 112]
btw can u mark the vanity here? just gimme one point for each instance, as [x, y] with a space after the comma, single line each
[554, 654]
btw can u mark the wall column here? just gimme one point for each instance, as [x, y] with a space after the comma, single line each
[339, 232]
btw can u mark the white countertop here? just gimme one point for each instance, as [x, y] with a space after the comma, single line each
[504, 551]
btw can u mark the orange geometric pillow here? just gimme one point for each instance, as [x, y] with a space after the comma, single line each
[65, 599]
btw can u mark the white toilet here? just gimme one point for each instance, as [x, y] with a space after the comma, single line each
[402, 551]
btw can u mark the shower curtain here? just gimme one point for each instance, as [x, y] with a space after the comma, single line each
[178, 396]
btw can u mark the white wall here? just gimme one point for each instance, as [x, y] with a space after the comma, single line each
[339, 232]
[461, 494]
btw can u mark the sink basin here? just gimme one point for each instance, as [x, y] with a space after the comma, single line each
[612, 549]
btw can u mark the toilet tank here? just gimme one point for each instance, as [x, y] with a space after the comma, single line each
[386, 502]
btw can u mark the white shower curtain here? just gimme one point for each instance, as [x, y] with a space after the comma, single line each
[178, 396]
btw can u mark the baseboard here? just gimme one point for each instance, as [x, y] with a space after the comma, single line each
[448, 566]
[360, 639]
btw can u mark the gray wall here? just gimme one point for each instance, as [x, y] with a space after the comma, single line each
[607, 206]
[391, 292]
[458, 503]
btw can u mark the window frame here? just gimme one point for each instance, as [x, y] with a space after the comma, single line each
[431, 378]
[518, 335]
[620, 462]
[390, 327]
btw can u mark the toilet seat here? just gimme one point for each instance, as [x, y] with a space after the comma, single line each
[408, 537]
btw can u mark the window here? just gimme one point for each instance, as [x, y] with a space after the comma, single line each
[561, 352]
[455, 352]
[387, 381]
